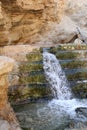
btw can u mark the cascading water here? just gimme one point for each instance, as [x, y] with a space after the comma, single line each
[60, 86]
[59, 113]
[56, 76]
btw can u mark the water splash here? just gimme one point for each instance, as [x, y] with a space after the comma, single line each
[56, 77]
[60, 86]
[58, 113]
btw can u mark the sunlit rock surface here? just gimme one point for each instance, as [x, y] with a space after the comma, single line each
[44, 22]
[23, 21]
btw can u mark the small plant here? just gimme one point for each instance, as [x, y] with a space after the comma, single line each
[34, 56]
[80, 87]
[30, 67]
[80, 90]
[74, 64]
[77, 76]
[53, 50]
[33, 79]
[30, 91]
[66, 55]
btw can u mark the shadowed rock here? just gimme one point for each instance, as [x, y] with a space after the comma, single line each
[82, 111]
[8, 119]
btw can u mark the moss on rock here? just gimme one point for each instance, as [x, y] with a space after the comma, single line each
[33, 79]
[34, 56]
[67, 55]
[77, 76]
[80, 90]
[31, 91]
[74, 64]
[30, 67]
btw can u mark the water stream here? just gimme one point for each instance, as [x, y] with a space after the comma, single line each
[59, 113]
[56, 76]
[60, 86]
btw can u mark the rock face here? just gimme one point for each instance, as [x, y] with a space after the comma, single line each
[82, 111]
[41, 21]
[7, 116]
[23, 21]
[6, 66]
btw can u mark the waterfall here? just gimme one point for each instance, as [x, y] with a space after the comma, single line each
[56, 77]
[59, 113]
[62, 112]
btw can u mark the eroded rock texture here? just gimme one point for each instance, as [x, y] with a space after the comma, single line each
[8, 120]
[43, 22]
[24, 21]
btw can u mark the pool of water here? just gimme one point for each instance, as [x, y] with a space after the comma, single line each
[53, 115]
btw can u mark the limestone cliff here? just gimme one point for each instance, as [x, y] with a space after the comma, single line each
[8, 120]
[41, 21]
[24, 21]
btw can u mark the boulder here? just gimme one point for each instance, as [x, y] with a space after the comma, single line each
[7, 117]
[82, 111]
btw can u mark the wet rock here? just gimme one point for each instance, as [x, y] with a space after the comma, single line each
[82, 111]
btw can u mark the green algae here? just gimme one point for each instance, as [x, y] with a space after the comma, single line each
[74, 64]
[77, 76]
[34, 56]
[67, 55]
[30, 92]
[33, 79]
[30, 67]
[80, 90]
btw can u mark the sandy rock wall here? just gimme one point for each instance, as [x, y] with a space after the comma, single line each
[8, 119]
[41, 21]
[75, 15]
[31, 4]
[23, 21]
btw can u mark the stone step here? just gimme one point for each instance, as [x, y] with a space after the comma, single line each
[77, 76]
[80, 90]
[74, 64]
[74, 51]
[35, 56]
[71, 55]
[74, 71]
[34, 84]
[73, 83]
[65, 47]
[78, 83]
[31, 73]
[32, 78]
[72, 60]
[33, 62]
[30, 67]
[29, 92]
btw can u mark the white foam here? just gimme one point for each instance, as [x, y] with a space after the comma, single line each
[56, 77]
